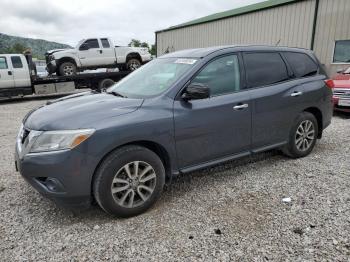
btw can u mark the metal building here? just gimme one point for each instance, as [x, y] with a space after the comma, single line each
[321, 25]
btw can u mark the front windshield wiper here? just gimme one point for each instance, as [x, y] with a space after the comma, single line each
[115, 93]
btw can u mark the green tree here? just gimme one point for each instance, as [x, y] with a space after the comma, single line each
[17, 48]
[153, 50]
[135, 43]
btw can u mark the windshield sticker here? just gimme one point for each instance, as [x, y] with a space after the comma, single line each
[185, 61]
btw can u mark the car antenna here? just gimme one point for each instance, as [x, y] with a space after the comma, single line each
[278, 42]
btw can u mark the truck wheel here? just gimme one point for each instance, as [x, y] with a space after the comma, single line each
[133, 64]
[105, 83]
[129, 181]
[302, 137]
[67, 69]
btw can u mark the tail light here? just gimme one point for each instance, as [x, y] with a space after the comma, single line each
[329, 83]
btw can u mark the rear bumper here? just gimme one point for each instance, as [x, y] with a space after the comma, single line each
[62, 176]
[146, 58]
[337, 107]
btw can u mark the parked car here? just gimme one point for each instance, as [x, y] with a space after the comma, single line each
[95, 53]
[341, 95]
[182, 112]
[343, 74]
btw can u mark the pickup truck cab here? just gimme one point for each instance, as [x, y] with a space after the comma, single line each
[14, 73]
[95, 53]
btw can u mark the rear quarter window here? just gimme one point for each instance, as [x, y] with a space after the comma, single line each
[302, 64]
[264, 69]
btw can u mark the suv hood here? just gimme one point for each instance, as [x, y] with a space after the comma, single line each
[79, 111]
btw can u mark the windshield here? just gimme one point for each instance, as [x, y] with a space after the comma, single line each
[153, 78]
[79, 43]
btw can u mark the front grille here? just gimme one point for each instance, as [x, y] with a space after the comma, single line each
[341, 93]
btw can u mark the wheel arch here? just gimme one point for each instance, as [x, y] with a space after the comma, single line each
[66, 59]
[133, 55]
[319, 117]
[155, 147]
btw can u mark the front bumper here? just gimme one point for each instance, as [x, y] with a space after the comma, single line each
[62, 176]
[51, 67]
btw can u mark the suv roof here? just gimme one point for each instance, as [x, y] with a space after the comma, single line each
[203, 52]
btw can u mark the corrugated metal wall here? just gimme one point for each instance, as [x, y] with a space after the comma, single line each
[333, 23]
[290, 24]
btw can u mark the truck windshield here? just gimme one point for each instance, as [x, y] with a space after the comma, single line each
[153, 78]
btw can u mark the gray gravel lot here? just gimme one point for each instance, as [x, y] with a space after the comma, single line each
[230, 212]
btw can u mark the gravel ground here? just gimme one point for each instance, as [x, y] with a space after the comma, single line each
[230, 212]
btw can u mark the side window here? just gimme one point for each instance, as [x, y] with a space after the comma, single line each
[301, 64]
[105, 43]
[16, 62]
[264, 69]
[3, 63]
[92, 43]
[221, 75]
[341, 51]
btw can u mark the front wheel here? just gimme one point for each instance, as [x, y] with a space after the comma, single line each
[303, 136]
[67, 69]
[129, 181]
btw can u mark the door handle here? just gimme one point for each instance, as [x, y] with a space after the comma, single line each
[9, 73]
[100, 51]
[240, 106]
[296, 93]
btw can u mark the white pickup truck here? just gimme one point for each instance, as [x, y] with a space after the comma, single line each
[95, 53]
[18, 77]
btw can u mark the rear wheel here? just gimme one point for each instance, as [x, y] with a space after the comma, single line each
[67, 69]
[105, 83]
[129, 181]
[133, 64]
[303, 136]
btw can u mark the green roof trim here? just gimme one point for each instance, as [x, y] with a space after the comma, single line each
[233, 12]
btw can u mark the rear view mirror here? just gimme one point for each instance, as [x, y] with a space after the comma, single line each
[84, 47]
[196, 91]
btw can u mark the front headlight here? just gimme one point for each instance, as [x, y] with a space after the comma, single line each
[60, 140]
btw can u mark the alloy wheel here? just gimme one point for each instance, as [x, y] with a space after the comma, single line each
[305, 135]
[133, 184]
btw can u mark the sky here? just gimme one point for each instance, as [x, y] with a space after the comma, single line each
[68, 21]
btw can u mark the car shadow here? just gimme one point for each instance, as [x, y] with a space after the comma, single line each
[342, 115]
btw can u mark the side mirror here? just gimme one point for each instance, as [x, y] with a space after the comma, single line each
[196, 91]
[84, 47]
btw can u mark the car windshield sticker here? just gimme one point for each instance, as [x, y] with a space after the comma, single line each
[185, 61]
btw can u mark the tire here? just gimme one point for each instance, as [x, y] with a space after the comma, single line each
[113, 187]
[67, 69]
[133, 64]
[297, 147]
[105, 83]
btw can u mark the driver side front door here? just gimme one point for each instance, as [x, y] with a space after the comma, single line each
[219, 127]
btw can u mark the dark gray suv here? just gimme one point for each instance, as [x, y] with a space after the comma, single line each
[181, 112]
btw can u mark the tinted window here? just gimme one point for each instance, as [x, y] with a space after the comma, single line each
[105, 43]
[264, 69]
[3, 63]
[221, 75]
[92, 43]
[301, 64]
[342, 51]
[16, 62]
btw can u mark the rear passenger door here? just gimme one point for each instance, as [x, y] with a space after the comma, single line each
[6, 76]
[276, 98]
[107, 52]
[20, 71]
